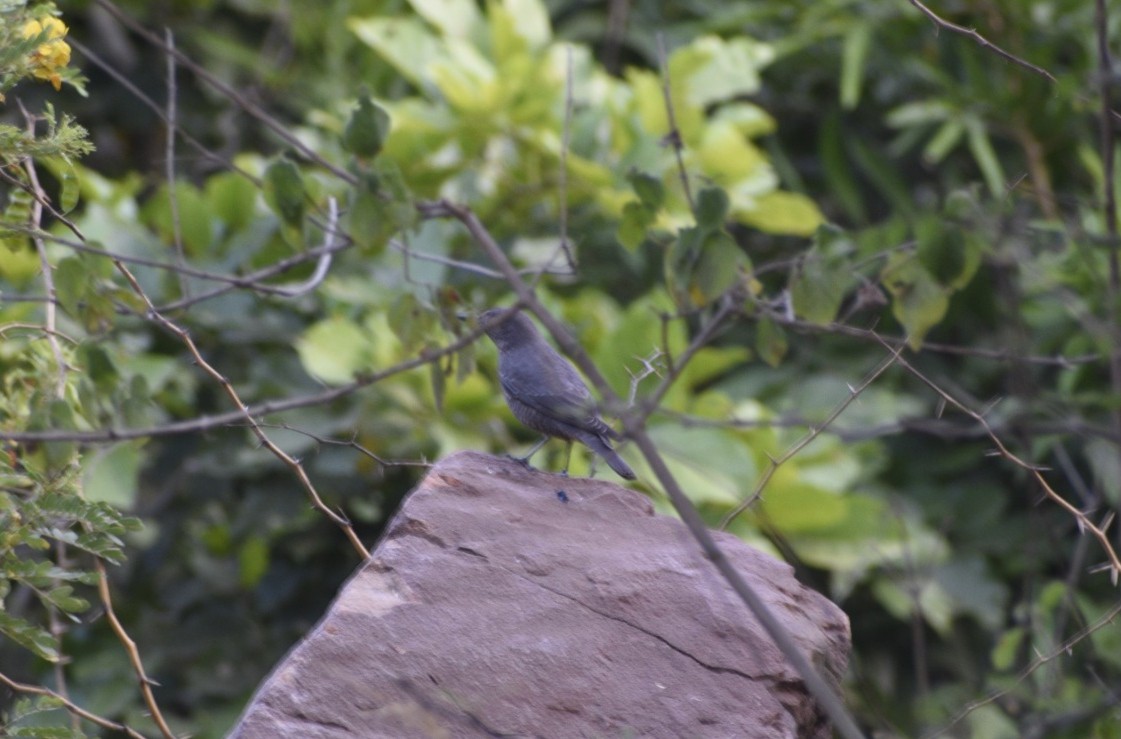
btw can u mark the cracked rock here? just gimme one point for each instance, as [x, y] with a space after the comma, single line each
[494, 607]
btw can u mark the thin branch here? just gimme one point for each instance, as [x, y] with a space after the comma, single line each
[813, 433]
[1002, 355]
[122, 80]
[69, 705]
[471, 267]
[228, 387]
[726, 308]
[351, 443]
[230, 93]
[673, 136]
[206, 423]
[35, 328]
[1084, 523]
[566, 140]
[44, 263]
[986, 44]
[982, 41]
[1059, 651]
[58, 629]
[326, 254]
[649, 367]
[169, 154]
[130, 647]
[1113, 291]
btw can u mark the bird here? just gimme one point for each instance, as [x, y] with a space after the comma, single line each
[545, 392]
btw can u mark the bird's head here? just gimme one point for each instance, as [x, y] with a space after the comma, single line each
[507, 330]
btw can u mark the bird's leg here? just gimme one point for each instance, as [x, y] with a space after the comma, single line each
[567, 456]
[525, 460]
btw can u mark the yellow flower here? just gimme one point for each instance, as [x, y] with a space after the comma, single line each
[51, 55]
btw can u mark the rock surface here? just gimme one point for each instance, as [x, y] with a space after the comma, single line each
[497, 606]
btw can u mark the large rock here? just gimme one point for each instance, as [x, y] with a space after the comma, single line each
[496, 605]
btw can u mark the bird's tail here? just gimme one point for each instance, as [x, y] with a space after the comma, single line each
[601, 446]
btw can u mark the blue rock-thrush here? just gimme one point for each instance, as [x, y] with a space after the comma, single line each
[545, 392]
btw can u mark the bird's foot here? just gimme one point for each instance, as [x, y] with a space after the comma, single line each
[523, 461]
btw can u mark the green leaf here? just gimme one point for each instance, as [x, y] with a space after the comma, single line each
[411, 322]
[439, 384]
[454, 18]
[712, 69]
[335, 350]
[944, 141]
[817, 287]
[632, 226]
[367, 128]
[253, 561]
[69, 186]
[195, 223]
[941, 249]
[284, 190]
[853, 55]
[112, 475]
[770, 341]
[649, 189]
[63, 598]
[680, 261]
[1106, 466]
[29, 636]
[919, 301]
[838, 170]
[974, 591]
[781, 212]
[985, 156]
[709, 464]
[72, 285]
[99, 367]
[232, 199]
[722, 264]
[712, 208]
[406, 43]
[1008, 648]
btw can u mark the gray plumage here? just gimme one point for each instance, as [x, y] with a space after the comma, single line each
[544, 391]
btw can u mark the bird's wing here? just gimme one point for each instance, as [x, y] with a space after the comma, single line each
[555, 390]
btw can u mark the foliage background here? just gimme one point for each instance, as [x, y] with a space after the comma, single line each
[963, 202]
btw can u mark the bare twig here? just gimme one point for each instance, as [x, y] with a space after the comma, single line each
[69, 705]
[45, 203]
[725, 308]
[986, 44]
[982, 41]
[1059, 651]
[230, 93]
[130, 647]
[566, 139]
[1113, 292]
[169, 165]
[44, 262]
[206, 423]
[326, 254]
[673, 136]
[617, 14]
[649, 367]
[35, 328]
[121, 79]
[1084, 523]
[813, 433]
[244, 413]
[351, 443]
